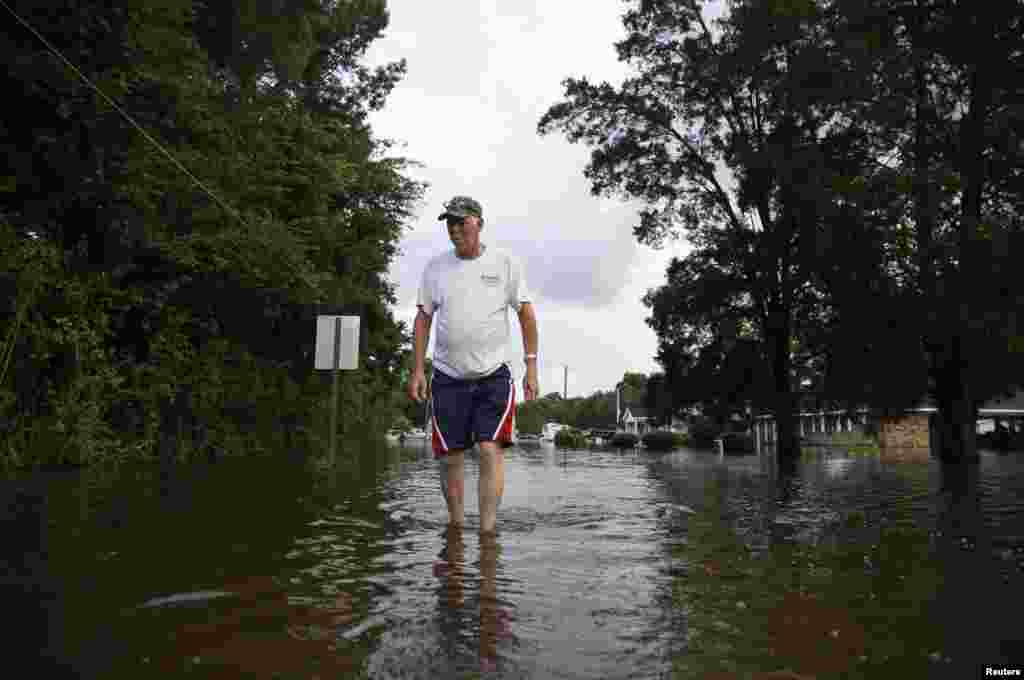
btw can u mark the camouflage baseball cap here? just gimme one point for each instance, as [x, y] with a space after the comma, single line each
[461, 206]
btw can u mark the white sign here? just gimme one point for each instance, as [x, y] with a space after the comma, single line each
[326, 337]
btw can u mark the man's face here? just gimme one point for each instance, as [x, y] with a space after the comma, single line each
[465, 234]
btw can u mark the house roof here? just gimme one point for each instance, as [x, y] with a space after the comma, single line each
[637, 411]
[1013, 402]
[1009, 404]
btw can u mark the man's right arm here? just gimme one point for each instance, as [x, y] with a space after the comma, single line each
[421, 339]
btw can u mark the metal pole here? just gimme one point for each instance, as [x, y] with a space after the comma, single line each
[565, 383]
[617, 388]
[334, 387]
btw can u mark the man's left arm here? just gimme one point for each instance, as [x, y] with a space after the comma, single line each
[528, 324]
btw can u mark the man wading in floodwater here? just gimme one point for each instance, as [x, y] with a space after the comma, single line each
[473, 393]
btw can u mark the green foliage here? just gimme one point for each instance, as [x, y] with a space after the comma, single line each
[865, 253]
[595, 411]
[570, 438]
[750, 263]
[662, 440]
[865, 601]
[658, 399]
[529, 417]
[143, 283]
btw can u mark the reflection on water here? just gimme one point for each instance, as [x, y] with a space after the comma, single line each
[606, 565]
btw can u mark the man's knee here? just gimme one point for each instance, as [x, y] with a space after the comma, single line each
[453, 458]
[491, 447]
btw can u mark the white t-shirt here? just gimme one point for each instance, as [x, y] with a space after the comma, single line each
[471, 300]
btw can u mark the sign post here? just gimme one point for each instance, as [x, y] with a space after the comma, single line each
[337, 349]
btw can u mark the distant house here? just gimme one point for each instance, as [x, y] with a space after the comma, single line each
[911, 430]
[635, 419]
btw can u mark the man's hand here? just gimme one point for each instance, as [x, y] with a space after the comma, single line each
[530, 387]
[418, 386]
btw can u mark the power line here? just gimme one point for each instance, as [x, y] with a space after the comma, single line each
[124, 113]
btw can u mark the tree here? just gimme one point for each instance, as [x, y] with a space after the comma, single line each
[200, 286]
[877, 205]
[657, 400]
[633, 386]
[701, 101]
[939, 220]
[529, 418]
[708, 344]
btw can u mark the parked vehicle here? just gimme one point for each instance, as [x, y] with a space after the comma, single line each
[550, 430]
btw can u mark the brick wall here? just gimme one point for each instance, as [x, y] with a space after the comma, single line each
[905, 432]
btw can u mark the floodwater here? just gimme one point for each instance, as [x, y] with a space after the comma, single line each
[607, 564]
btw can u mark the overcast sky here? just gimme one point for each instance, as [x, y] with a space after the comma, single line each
[479, 78]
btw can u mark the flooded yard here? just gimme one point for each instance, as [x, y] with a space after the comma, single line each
[607, 564]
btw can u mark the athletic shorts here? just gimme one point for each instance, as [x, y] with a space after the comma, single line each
[472, 410]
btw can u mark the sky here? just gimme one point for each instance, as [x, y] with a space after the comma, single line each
[479, 78]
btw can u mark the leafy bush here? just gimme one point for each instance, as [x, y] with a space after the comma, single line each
[570, 438]
[703, 433]
[738, 442]
[663, 440]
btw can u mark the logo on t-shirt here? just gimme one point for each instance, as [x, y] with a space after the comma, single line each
[490, 279]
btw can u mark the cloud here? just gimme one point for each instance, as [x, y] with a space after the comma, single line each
[479, 78]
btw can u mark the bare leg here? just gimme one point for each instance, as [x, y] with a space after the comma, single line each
[499, 466]
[453, 485]
[492, 483]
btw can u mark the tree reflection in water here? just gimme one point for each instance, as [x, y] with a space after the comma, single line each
[247, 640]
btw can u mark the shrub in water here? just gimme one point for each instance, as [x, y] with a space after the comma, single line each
[661, 440]
[570, 439]
[624, 440]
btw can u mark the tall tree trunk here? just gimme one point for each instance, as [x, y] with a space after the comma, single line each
[169, 436]
[957, 408]
[957, 411]
[787, 446]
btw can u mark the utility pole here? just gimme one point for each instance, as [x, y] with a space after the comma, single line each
[565, 383]
[618, 389]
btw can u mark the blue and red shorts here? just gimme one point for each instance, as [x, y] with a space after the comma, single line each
[472, 410]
